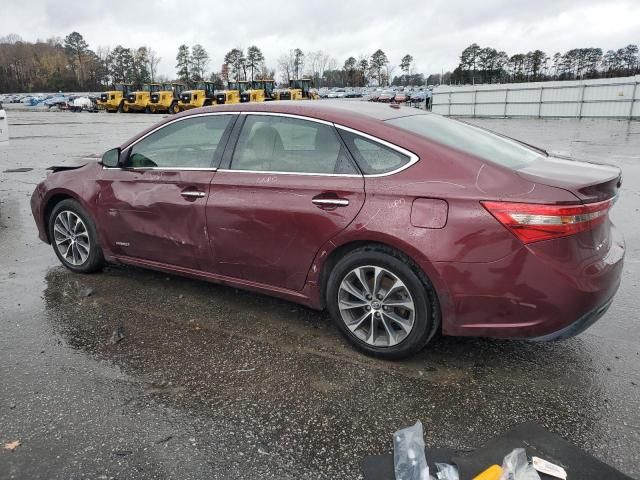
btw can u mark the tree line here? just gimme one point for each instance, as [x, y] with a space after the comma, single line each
[488, 65]
[68, 64]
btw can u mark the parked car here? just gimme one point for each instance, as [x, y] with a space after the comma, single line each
[460, 230]
[4, 125]
[374, 96]
[387, 96]
[401, 97]
[417, 97]
[59, 101]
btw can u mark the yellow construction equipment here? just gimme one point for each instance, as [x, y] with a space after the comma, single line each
[113, 100]
[166, 99]
[232, 93]
[299, 89]
[140, 100]
[202, 95]
[261, 90]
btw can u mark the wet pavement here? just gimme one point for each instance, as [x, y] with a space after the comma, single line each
[136, 374]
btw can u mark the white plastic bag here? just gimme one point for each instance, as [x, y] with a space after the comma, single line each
[447, 472]
[515, 466]
[408, 454]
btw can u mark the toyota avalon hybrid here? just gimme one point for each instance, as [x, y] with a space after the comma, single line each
[400, 222]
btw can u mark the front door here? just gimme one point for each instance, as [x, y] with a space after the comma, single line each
[290, 187]
[153, 206]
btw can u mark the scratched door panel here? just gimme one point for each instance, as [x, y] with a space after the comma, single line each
[265, 227]
[144, 214]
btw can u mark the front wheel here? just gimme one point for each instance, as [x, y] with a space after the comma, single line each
[380, 304]
[173, 109]
[74, 237]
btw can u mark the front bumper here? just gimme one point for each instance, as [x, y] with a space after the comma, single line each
[38, 214]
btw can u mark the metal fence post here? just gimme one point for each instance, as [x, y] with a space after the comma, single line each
[581, 100]
[475, 94]
[506, 100]
[633, 100]
[449, 114]
[540, 104]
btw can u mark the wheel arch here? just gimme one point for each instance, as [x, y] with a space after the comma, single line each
[429, 279]
[54, 198]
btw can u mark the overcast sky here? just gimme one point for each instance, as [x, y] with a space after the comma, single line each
[434, 32]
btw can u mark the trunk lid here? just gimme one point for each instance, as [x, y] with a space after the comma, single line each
[589, 182]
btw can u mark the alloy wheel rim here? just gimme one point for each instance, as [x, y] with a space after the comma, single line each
[71, 238]
[376, 306]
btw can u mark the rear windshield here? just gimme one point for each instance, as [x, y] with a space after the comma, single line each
[469, 139]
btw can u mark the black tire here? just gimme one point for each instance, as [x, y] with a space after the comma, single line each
[173, 109]
[95, 260]
[121, 107]
[427, 317]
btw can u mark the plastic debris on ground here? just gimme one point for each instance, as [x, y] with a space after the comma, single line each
[409, 460]
[516, 466]
[446, 472]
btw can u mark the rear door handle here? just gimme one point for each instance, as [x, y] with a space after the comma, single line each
[331, 202]
[192, 194]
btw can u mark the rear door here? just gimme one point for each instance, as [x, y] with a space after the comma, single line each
[289, 186]
[153, 207]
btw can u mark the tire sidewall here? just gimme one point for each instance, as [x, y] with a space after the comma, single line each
[95, 259]
[423, 326]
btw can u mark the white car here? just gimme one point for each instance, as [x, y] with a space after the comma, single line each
[4, 125]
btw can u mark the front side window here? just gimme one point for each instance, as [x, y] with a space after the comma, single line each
[190, 143]
[374, 158]
[291, 145]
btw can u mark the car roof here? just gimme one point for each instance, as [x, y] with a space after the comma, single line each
[362, 116]
[344, 113]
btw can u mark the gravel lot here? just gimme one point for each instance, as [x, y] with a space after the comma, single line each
[212, 382]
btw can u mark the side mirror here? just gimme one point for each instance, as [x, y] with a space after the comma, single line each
[111, 158]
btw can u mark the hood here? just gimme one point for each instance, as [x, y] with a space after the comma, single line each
[79, 163]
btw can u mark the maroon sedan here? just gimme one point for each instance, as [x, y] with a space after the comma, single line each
[401, 223]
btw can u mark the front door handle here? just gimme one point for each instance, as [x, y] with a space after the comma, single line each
[192, 194]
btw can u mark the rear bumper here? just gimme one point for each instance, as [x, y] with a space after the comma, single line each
[545, 292]
[576, 327]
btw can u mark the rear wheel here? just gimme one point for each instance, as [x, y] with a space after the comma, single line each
[74, 237]
[173, 109]
[380, 304]
[121, 107]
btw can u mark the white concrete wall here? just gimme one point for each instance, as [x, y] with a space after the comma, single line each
[603, 97]
[4, 127]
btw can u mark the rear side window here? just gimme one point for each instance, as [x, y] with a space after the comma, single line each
[469, 139]
[373, 157]
[292, 145]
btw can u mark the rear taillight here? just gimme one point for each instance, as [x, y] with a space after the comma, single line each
[532, 222]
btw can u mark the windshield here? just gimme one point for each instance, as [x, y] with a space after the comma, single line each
[469, 139]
